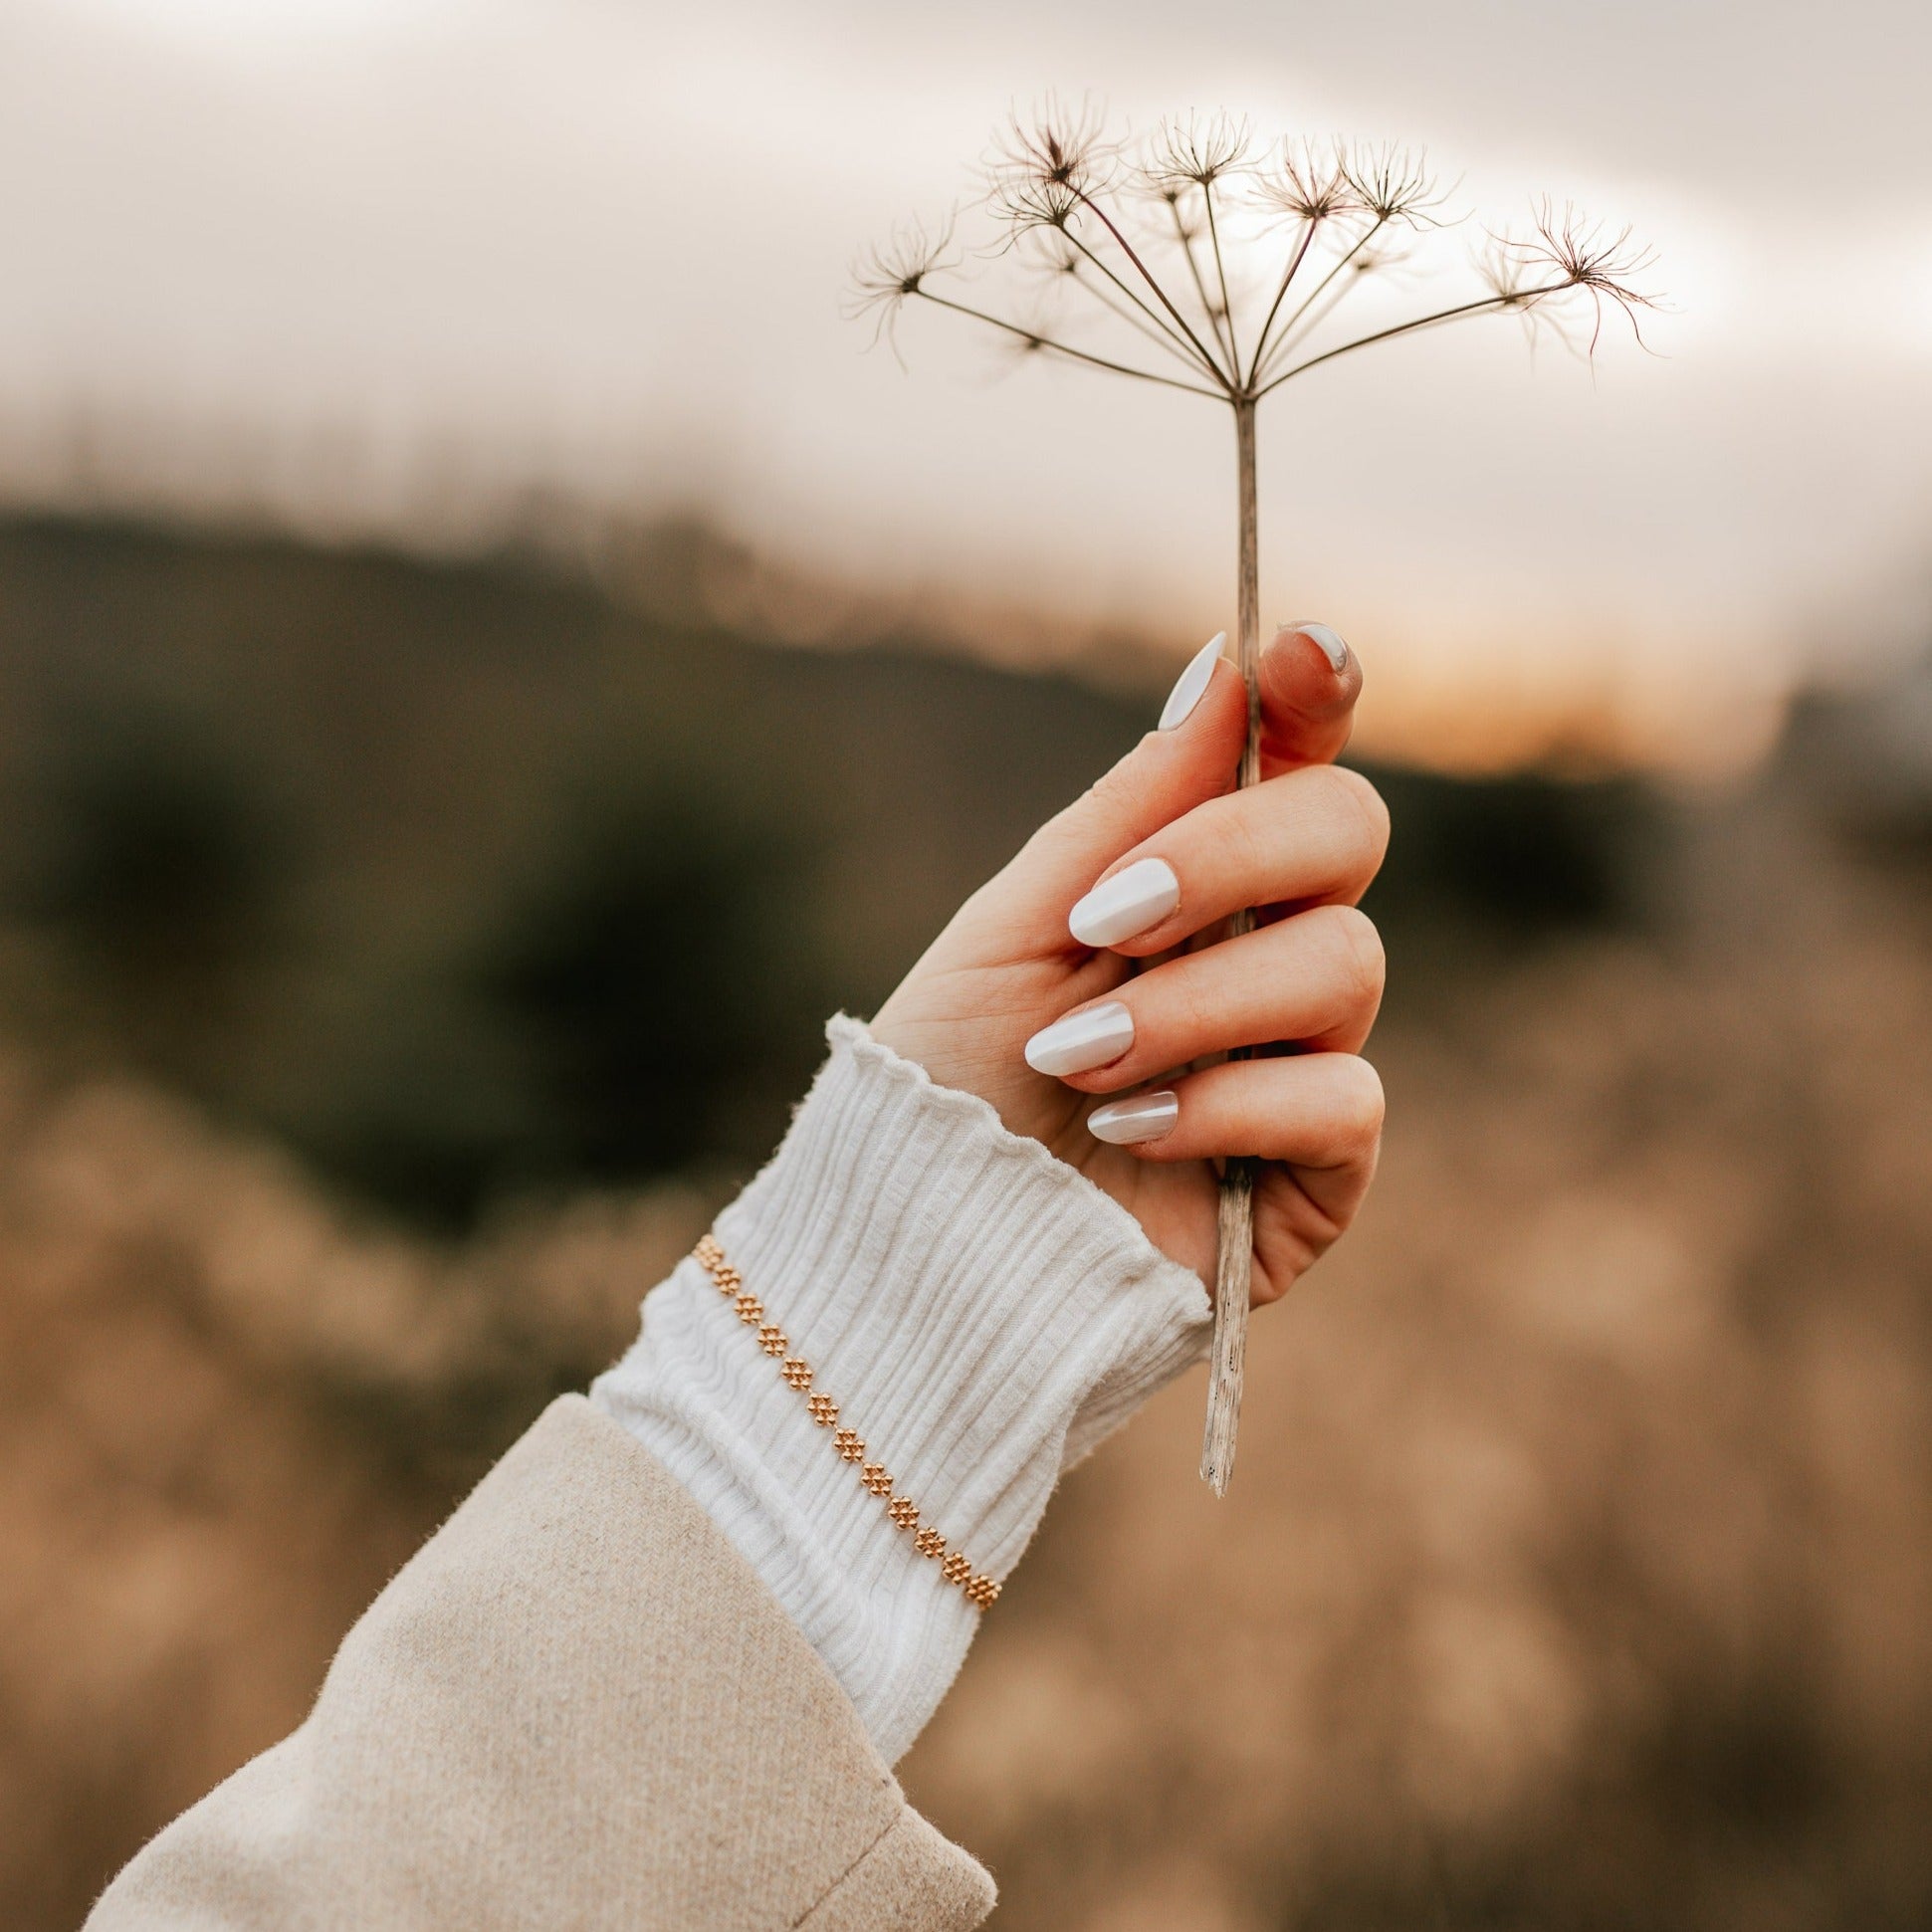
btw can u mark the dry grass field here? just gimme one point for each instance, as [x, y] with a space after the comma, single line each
[1578, 1571]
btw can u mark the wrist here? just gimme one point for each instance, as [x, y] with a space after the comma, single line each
[980, 1313]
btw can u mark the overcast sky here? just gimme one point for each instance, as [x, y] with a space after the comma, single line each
[390, 247]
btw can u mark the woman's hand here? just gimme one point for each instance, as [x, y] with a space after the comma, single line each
[1068, 975]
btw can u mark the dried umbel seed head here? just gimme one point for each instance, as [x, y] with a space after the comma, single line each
[1025, 205]
[896, 270]
[1394, 184]
[1196, 151]
[1157, 247]
[1169, 261]
[1604, 265]
[1306, 182]
[1056, 147]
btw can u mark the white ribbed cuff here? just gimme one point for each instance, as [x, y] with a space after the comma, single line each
[982, 1313]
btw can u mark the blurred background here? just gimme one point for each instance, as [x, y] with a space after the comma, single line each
[488, 662]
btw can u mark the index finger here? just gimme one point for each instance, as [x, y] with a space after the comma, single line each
[1308, 680]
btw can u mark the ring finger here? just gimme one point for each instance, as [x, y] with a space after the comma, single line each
[1315, 978]
[1313, 835]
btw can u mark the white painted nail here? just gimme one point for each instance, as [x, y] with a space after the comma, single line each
[1127, 904]
[1082, 1041]
[1191, 685]
[1139, 1117]
[1334, 646]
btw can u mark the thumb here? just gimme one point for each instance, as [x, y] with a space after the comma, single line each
[1309, 681]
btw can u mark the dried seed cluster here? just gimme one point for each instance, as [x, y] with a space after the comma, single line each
[980, 1589]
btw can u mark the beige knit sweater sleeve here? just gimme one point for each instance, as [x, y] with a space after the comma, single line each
[576, 1706]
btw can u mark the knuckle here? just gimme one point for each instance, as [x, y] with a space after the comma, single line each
[1367, 816]
[1113, 788]
[1199, 1014]
[1245, 841]
[1360, 1107]
[1359, 965]
[1115, 792]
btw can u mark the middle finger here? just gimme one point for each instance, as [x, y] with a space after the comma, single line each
[1314, 835]
[1315, 980]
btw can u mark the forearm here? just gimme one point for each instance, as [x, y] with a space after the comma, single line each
[654, 1670]
[982, 1315]
[576, 1705]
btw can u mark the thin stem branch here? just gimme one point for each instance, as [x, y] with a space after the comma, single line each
[1153, 329]
[1034, 339]
[1318, 311]
[1275, 308]
[1477, 308]
[1194, 270]
[1220, 270]
[1127, 248]
[1362, 241]
[1184, 345]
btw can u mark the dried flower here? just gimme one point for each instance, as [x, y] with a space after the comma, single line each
[891, 273]
[1196, 151]
[1041, 166]
[1308, 182]
[1605, 266]
[1394, 184]
[1146, 242]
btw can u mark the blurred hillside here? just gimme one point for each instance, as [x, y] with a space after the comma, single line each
[399, 960]
[470, 879]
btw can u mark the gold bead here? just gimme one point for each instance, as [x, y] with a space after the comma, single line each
[979, 1590]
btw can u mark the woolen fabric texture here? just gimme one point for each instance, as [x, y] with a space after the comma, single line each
[982, 1313]
[576, 1707]
[654, 1670]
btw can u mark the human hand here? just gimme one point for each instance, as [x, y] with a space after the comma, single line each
[1010, 1004]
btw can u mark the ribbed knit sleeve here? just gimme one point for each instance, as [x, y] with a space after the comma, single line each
[984, 1316]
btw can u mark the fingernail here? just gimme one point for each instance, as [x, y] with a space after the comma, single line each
[1139, 1117]
[1082, 1041]
[1334, 647]
[1127, 904]
[1192, 684]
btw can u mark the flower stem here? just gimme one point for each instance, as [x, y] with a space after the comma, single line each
[1234, 1267]
[1220, 270]
[1126, 246]
[1275, 308]
[1199, 281]
[1483, 306]
[1182, 346]
[1046, 342]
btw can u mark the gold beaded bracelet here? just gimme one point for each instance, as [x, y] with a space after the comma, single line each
[979, 1589]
